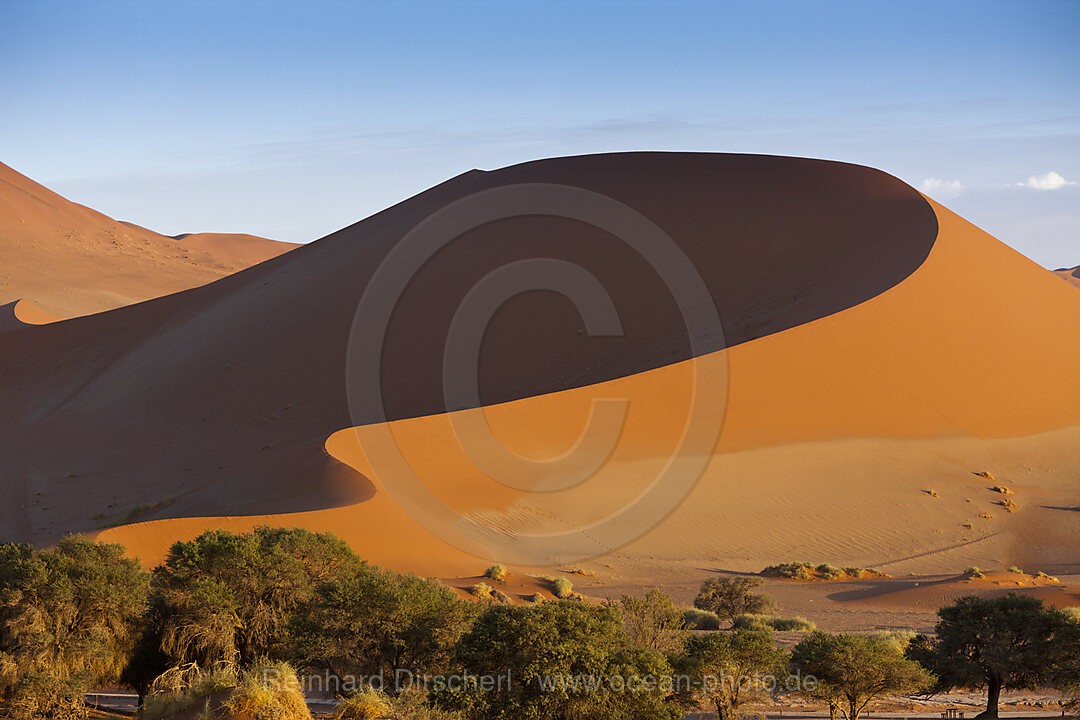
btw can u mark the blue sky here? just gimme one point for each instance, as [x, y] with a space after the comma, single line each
[291, 120]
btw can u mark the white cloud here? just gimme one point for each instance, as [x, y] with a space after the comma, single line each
[1049, 181]
[941, 188]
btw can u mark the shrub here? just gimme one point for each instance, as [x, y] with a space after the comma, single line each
[184, 688]
[732, 597]
[795, 570]
[1002, 489]
[562, 588]
[931, 492]
[1073, 613]
[829, 571]
[497, 572]
[1009, 504]
[898, 640]
[1014, 569]
[367, 704]
[536, 598]
[653, 622]
[268, 692]
[500, 596]
[481, 590]
[796, 623]
[973, 571]
[701, 619]
[581, 572]
[985, 474]
[412, 704]
[824, 571]
[751, 621]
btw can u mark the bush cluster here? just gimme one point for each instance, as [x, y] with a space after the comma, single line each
[824, 571]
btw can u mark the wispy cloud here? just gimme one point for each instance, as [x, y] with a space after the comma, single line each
[941, 188]
[1049, 181]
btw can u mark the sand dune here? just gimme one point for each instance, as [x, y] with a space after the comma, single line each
[70, 260]
[20, 313]
[1070, 274]
[862, 363]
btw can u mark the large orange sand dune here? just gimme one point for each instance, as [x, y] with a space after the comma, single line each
[876, 346]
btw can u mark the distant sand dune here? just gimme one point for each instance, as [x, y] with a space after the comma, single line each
[70, 260]
[1070, 274]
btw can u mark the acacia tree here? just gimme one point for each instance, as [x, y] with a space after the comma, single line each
[563, 660]
[734, 669]
[853, 670]
[653, 622]
[230, 598]
[731, 597]
[370, 620]
[68, 620]
[1066, 671]
[996, 643]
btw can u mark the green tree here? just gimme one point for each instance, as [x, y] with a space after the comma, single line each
[559, 660]
[996, 643]
[68, 619]
[1065, 674]
[731, 597]
[734, 669]
[370, 620]
[227, 597]
[653, 622]
[853, 670]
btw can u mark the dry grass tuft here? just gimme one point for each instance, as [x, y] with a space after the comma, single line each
[562, 588]
[497, 572]
[481, 590]
[269, 692]
[368, 704]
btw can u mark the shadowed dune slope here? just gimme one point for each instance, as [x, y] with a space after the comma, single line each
[849, 313]
[70, 260]
[223, 396]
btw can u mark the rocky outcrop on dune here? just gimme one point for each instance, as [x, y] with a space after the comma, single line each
[70, 260]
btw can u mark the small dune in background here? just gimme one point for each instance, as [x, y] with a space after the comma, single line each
[69, 260]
